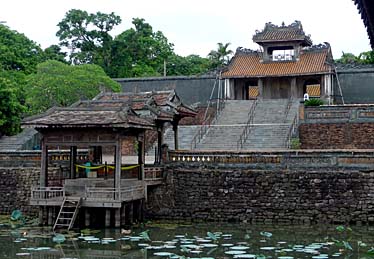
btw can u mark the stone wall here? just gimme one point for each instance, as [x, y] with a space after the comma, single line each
[300, 195]
[15, 189]
[191, 89]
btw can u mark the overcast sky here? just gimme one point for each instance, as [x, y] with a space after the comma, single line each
[196, 26]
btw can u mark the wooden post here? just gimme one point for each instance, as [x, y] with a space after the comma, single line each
[107, 217]
[117, 176]
[175, 129]
[44, 165]
[159, 142]
[141, 156]
[73, 161]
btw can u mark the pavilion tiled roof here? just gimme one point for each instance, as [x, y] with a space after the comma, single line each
[366, 9]
[78, 117]
[249, 64]
[273, 33]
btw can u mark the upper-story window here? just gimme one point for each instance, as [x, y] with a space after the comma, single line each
[283, 55]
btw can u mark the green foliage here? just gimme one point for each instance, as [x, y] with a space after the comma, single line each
[313, 102]
[190, 65]
[10, 108]
[364, 58]
[54, 52]
[295, 143]
[87, 36]
[59, 84]
[221, 56]
[140, 51]
[17, 52]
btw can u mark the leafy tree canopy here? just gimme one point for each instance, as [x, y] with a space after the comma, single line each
[364, 58]
[17, 52]
[221, 56]
[10, 107]
[59, 84]
[140, 51]
[87, 35]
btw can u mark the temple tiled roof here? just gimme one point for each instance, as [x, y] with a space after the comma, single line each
[247, 63]
[366, 8]
[78, 117]
[274, 33]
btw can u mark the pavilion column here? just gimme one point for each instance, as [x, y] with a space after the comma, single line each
[260, 85]
[160, 141]
[44, 165]
[141, 155]
[73, 161]
[293, 88]
[118, 161]
[175, 129]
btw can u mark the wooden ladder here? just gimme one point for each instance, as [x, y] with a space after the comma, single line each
[68, 213]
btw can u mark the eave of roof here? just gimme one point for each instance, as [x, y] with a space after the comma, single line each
[248, 64]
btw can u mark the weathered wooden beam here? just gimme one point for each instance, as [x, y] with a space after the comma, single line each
[44, 165]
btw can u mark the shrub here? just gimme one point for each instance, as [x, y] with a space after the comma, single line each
[313, 102]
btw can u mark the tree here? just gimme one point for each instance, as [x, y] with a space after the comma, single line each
[59, 84]
[54, 52]
[140, 51]
[347, 58]
[87, 36]
[366, 57]
[221, 56]
[17, 52]
[190, 65]
[10, 108]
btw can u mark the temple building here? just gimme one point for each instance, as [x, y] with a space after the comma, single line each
[287, 66]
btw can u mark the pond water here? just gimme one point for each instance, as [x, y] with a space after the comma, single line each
[168, 240]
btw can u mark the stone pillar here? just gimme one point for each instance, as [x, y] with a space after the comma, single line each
[87, 217]
[117, 217]
[123, 214]
[44, 165]
[294, 92]
[50, 216]
[130, 215]
[107, 217]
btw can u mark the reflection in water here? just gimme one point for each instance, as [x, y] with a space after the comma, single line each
[194, 241]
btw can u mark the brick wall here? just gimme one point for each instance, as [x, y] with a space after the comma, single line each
[336, 135]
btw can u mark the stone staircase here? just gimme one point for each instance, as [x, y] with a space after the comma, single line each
[272, 121]
[224, 134]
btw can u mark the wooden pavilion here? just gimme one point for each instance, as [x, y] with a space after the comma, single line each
[105, 123]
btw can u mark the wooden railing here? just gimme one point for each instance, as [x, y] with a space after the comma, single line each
[206, 125]
[110, 194]
[292, 131]
[45, 193]
[247, 129]
[102, 193]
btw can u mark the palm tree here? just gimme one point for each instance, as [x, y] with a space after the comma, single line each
[221, 56]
